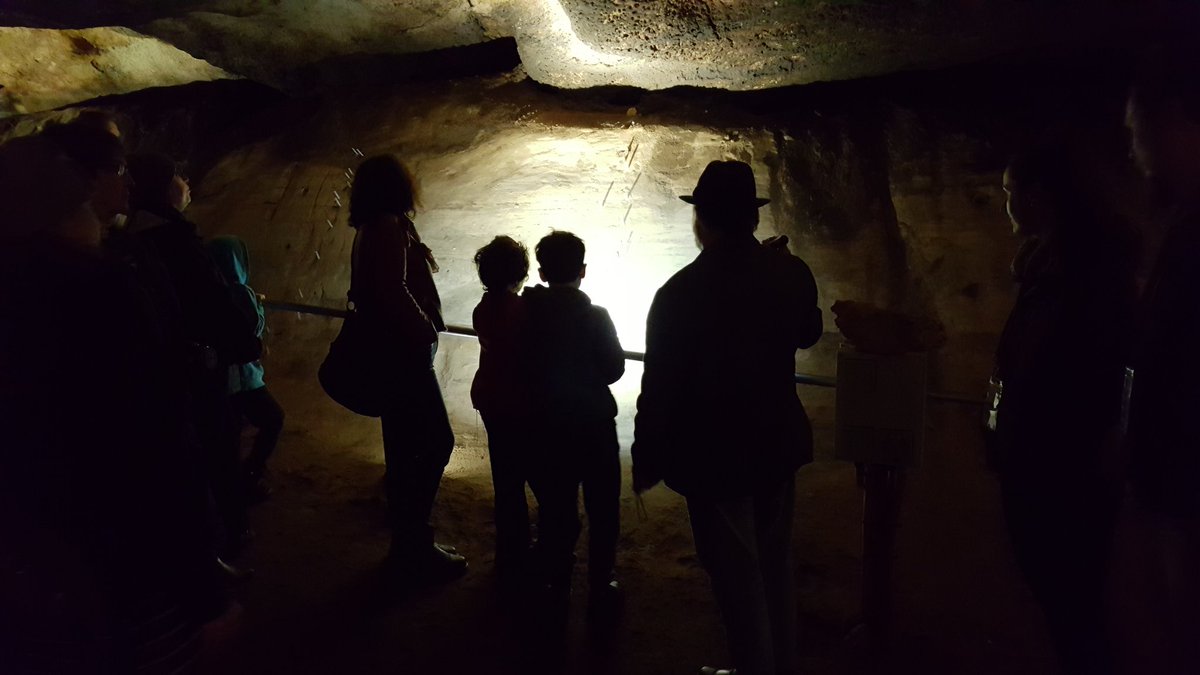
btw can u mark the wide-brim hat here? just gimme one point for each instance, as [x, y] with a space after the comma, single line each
[725, 183]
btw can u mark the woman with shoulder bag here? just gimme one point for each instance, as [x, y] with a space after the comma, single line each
[398, 311]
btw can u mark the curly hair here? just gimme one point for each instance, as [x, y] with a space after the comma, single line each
[382, 186]
[503, 262]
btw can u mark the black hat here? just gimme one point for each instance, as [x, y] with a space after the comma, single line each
[725, 183]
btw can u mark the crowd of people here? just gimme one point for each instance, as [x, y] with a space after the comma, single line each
[129, 364]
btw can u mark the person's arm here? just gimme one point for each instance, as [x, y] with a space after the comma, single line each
[811, 324]
[386, 259]
[610, 358]
[650, 436]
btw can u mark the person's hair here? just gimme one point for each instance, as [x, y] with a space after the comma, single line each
[1089, 234]
[42, 187]
[94, 150]
[727, 218]
[152, 174]
[383, 185]
[560, 256]
[504, 261]
[1169, 72]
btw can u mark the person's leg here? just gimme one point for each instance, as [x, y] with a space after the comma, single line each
[773, 515]
[727, 545]
[264, 412]
[417, 442]
[602, 502]
[506, 451]
[554, 477]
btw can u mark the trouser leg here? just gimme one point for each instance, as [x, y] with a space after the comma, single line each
[214, 424]
[506, 448]
[555, 480]
[726, 542]
[602, 502]
[417, 442]
[774, 513]
[261, 409]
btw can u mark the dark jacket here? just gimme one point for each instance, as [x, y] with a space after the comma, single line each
[570, 354]
[499, 386]
[1164, 437]
[102, 505]
[1061, 358]
[392, 286]
[208, 314]
[718, 415]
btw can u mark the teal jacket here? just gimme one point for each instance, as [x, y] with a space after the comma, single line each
[230, 256]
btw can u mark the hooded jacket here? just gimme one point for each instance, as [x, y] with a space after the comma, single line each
[571, 354]
[164, 238]
[233, 261]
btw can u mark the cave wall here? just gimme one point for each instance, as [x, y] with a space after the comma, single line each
[890, 189]
[892, 198]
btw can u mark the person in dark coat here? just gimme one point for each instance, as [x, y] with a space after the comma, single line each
[394, 295]
[106, 564]
[571, 354]
[1163, 440]
[498, 393]
[210, 330]
[718, 418]
[1061, 360]
[248, 392]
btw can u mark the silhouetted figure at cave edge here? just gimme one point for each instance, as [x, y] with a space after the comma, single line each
[718, 417]
[498, 393]
[394, 296]
[1061, 360]
[107, 563]
[164, 246]
[1163, 115]
[571, 354]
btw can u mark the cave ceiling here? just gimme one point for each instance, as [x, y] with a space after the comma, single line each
[56, 52]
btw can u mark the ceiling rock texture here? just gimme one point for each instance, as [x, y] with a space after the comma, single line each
[650, 44]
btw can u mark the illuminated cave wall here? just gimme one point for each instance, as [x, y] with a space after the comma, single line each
[889, 203]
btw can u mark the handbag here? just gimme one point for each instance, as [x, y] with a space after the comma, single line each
[351, 374]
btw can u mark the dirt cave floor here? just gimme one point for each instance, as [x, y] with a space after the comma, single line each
[317, 604]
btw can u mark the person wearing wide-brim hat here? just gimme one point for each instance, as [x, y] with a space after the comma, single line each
[718, 418]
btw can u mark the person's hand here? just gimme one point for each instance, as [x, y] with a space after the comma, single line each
[642, 481]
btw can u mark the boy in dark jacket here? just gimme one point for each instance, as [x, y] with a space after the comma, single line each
[572, 354]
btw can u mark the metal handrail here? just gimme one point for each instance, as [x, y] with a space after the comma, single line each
[467, 331]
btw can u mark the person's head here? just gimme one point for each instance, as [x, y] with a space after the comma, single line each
[98, 119]
[560, 258]
[502, 264]
[1163, 116]
[157, 183]
[102, 157]
[382, 186]
[1036, 182]
[726, 205]
[44, 193]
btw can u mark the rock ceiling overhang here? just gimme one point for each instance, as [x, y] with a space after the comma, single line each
[650, 44]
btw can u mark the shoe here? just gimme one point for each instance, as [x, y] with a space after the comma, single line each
[433, 565]
[709, 670]
[232, 574]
